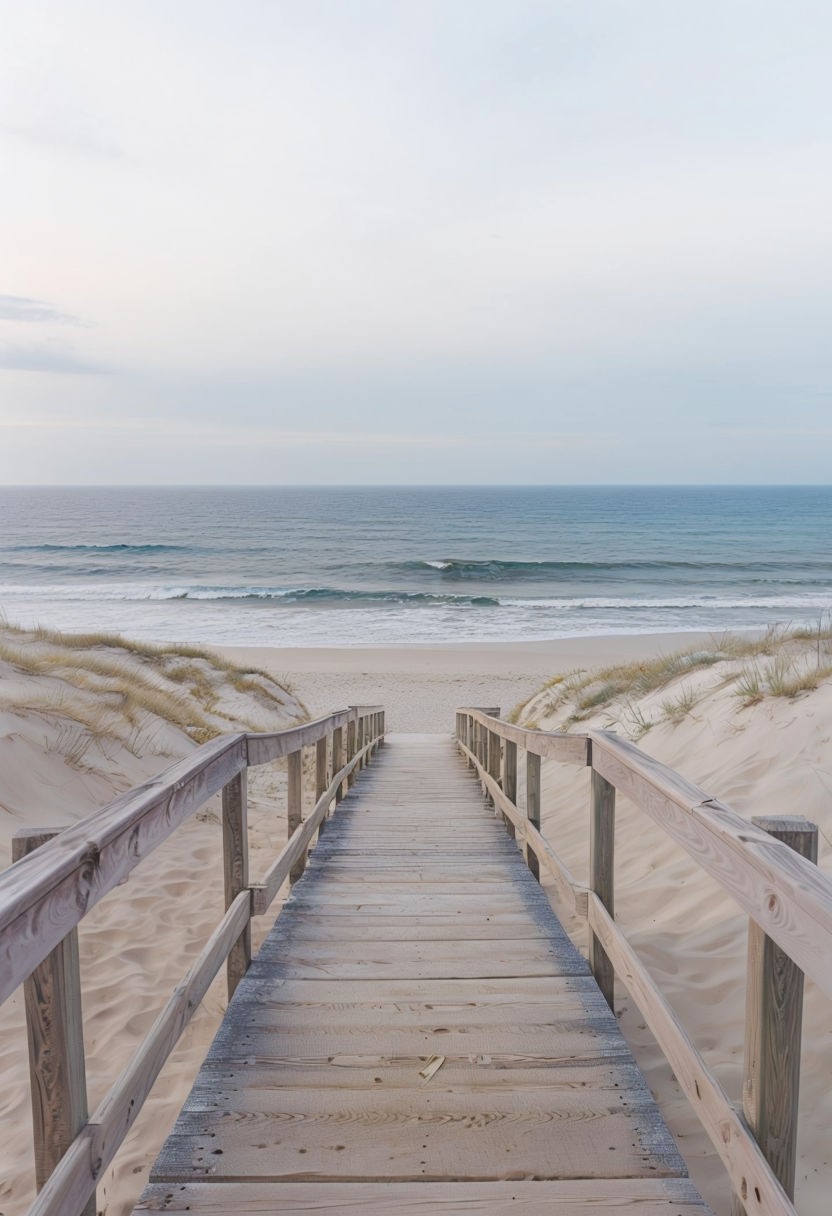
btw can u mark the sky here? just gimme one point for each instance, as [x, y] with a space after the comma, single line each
[415, 241]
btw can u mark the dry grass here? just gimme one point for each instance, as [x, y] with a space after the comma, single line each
[783, 662]
[786, 675]
[102, 684]
[142, 650]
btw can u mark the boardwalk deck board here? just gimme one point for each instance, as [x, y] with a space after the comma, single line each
[417, 931]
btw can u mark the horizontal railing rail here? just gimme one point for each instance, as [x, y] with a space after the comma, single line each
[765, 865]
[57, 878]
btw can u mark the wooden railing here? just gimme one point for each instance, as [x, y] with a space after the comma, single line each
[766, 865]
[58, 878]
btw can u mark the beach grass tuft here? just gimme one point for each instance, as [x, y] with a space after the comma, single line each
[102, 686]
[781, 662]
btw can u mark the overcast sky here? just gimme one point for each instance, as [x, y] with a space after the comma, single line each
[415, 241]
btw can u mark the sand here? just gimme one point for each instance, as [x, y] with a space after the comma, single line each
[771, 757]
[422, 686]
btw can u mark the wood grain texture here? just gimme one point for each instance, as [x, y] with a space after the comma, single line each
[421, 1134]
[533, 806]
[55, 1035]
[338, 760]
[235, 869]
[773, 1026]
[404, 940]
[628, 1196]
[294, 809]
[602, 874]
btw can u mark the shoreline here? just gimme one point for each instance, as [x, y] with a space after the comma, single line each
[423, 684]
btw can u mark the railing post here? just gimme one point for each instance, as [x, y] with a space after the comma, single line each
[533, 806]
[494, 764]
[55, 1031]
[351, 725]
[320, 775]
[338, 759]
[601, 875]
[469, 738]
[295, 807]
[235, 869]
[773, 1025]
[510, 779]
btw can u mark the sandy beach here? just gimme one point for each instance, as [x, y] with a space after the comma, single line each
[422, 686]
[768, 756]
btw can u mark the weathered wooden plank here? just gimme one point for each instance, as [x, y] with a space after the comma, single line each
[612, 1070]
[353, 926]
[497, 872]
[394, 903]
[367, 1003]
[532, 1045]
[421, 1134]
[413, 960]
[579, 1197]
[543, 990]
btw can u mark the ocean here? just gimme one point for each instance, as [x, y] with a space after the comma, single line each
[343, 566]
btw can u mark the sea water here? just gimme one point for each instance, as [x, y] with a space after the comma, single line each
[294, 566]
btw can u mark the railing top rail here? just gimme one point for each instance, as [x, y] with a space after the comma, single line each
[786, 895]
[46, 894]
[555, 745]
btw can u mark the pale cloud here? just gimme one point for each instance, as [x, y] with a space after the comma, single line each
[45, 358]
[19, 308]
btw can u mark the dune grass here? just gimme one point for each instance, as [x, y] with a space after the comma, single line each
[100, 685]
[782, 662]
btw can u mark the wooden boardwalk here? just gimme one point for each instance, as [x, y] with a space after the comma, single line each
[417, 935]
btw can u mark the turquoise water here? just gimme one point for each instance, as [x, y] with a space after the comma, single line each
[348, 566]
